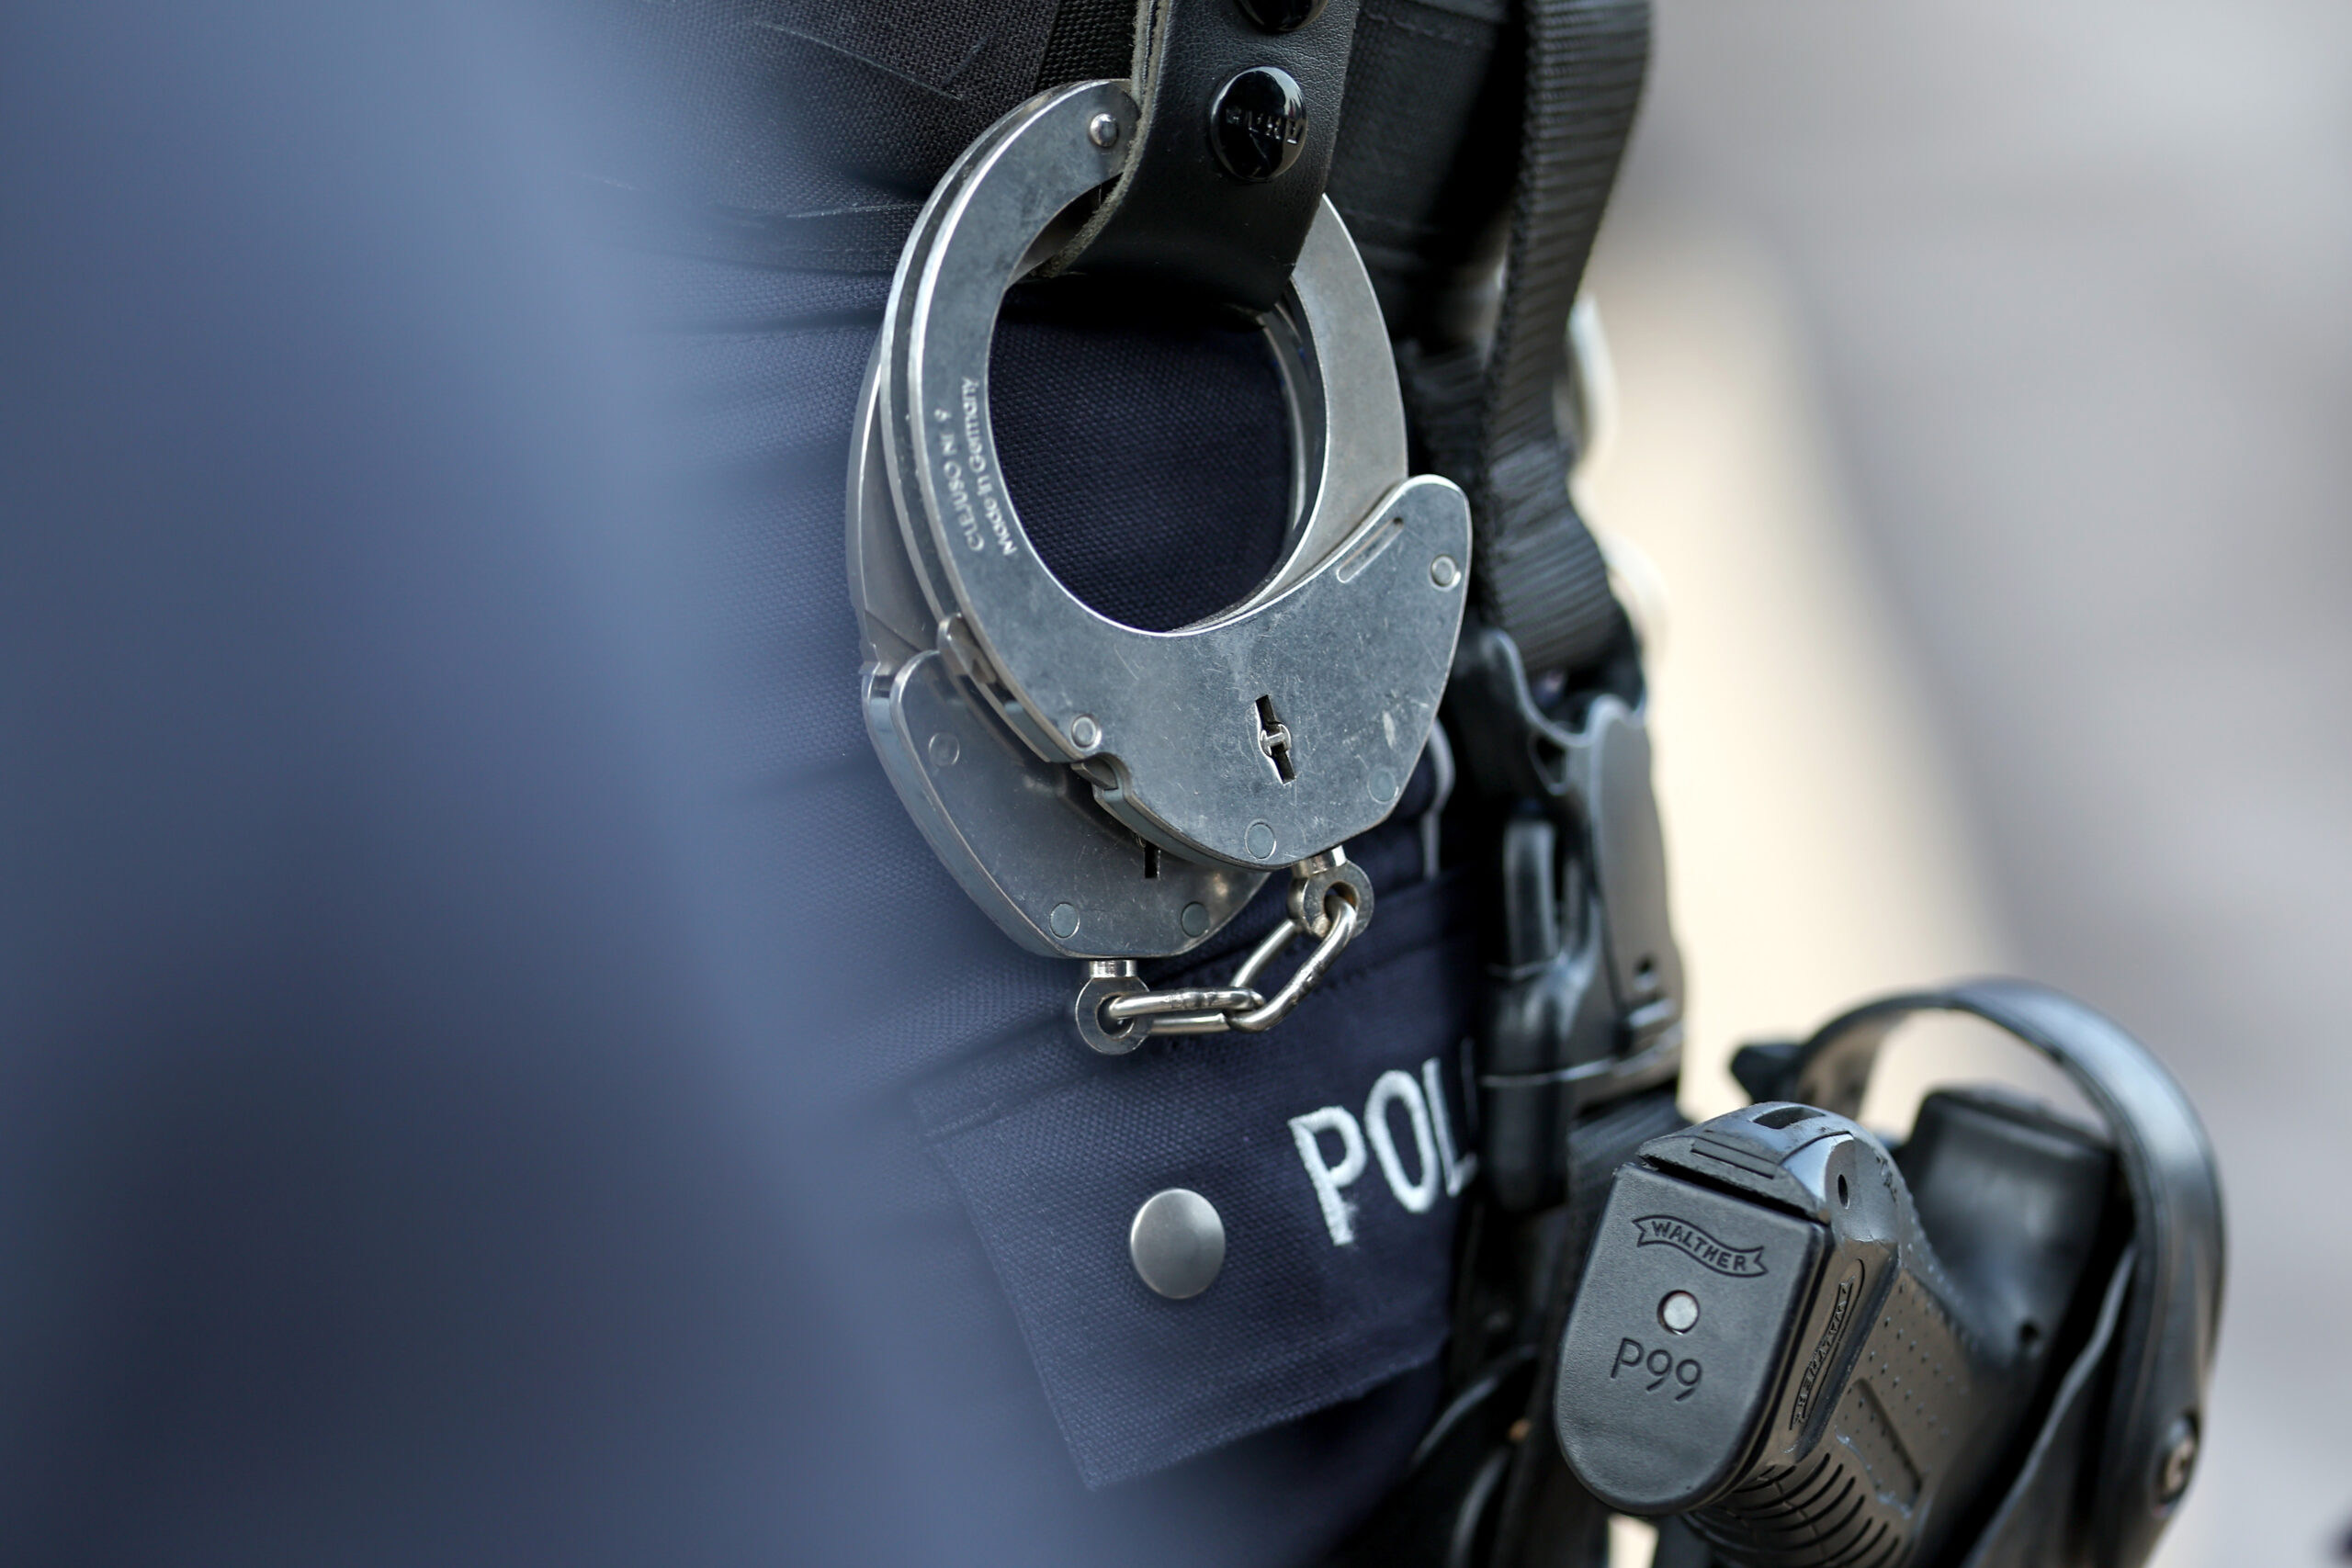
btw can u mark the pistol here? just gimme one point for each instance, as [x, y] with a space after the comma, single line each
[1819, 1353]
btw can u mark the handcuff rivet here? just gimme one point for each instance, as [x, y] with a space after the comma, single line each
[1383, 784]
[1084, 733]
[1065, 920]
[944, 749]
[1104, 130]
[1195, 919]
[1446, 571]
[1260, 841]
[1679, 1313]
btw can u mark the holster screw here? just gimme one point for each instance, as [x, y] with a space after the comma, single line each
[2178, 1463]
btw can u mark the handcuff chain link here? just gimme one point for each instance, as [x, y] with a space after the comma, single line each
[1116, 1012]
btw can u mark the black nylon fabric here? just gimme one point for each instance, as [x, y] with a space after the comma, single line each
[1090, 39]
[1484, 410]
[1420, 172]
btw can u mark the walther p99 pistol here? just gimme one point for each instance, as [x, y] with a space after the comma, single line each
[1989, 1350]
[1768, 1341]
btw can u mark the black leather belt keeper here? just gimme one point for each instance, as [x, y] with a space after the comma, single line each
[1240, 102]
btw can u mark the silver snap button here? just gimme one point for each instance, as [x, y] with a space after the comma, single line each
[1178, 1243]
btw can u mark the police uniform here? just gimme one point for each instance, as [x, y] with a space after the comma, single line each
[420, 1145]
[1247, 1299]
[1257, 1420]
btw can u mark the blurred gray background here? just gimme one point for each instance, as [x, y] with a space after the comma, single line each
[1980, 464]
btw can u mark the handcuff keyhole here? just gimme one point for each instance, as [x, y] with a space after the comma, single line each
[1273, 739]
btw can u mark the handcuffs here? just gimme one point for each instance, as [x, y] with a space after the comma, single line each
[1104, 792]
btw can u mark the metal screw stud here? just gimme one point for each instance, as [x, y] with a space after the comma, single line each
[1084, 733]
[1257, 123]
[2178, 1461]
[1446, 571]
[1104, 130]
[1679, 1313]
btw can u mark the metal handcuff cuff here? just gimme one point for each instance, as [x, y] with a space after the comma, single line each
[1104, 792]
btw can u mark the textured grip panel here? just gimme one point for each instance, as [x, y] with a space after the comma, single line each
[1817, 1515]
[1900, 1441]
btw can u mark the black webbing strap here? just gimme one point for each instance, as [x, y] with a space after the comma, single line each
[1486, 418]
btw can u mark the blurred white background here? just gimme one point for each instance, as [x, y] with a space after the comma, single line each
[1986, 409]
